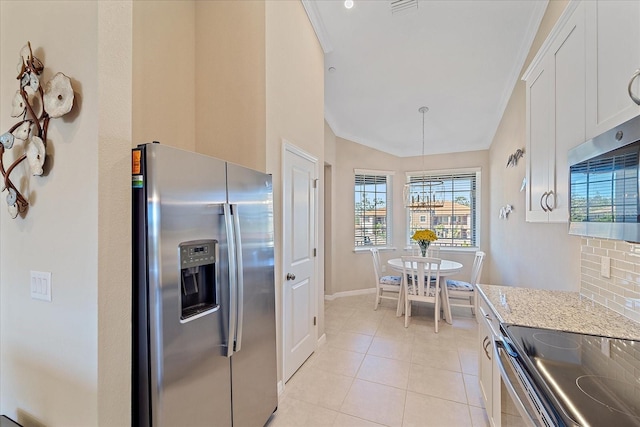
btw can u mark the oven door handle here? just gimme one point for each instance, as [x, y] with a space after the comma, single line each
[504, 343]
[522, 409]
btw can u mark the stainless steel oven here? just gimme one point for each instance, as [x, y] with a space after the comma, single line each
[557, 378]
[518, 391]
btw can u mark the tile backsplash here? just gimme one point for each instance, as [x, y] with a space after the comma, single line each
[621, 291]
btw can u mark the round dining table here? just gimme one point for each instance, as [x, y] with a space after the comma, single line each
[447, 268]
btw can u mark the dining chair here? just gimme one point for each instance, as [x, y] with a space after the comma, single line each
[391, 284]
[416, 284]
[433, 251]
[465, 292]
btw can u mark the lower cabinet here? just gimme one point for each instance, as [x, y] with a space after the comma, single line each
[489, 375]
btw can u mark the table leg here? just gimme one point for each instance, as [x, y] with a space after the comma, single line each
[444, 292]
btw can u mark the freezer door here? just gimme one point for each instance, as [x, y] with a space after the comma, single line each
[189, 372]
[254, 365]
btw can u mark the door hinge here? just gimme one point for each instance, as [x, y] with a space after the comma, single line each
[315, 252]
[315, 183]
[314, 320]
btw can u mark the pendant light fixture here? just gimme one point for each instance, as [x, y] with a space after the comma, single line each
[422, 192]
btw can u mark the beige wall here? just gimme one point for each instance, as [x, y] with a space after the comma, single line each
[164, 107]
[50, 350]
[522, 253]
[295, 113]
[330, 221]
[67, 362]
[114, 213]
[230, 81]
[353, 270]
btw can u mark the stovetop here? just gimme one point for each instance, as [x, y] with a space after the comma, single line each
[589, 380]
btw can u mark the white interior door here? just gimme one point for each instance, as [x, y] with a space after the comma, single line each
[299, 258]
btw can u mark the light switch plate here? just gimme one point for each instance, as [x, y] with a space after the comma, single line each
[41, 285]
[605, 267]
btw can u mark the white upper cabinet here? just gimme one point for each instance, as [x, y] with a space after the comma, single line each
[568, 64]
[539, 141]
[612, 57]
[556, 93]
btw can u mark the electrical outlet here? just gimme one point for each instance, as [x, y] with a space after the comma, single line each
[605, 346]
[605, 267]
[41, 285]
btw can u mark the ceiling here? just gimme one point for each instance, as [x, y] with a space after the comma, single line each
[459, 58]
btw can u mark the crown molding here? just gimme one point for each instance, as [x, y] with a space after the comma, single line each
[318, 25]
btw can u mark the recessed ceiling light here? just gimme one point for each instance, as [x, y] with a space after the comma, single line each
[348, 4]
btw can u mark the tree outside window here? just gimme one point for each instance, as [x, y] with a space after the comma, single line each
[455, 218]
[371, 196]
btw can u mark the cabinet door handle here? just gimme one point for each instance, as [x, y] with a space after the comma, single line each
[631, 94]
[545, 194]
[486, 343]
[546, 200]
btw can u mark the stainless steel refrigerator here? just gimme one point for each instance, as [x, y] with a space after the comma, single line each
[204, 336]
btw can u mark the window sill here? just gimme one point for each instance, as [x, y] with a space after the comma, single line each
[447, 249]
[365, 249]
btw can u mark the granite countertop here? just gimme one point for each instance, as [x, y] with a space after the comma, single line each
[566, 311]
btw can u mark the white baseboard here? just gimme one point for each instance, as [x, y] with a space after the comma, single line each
[280, 388]
[350, 293]
[322, 340]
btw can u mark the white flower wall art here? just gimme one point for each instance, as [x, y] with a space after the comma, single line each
[34, 104]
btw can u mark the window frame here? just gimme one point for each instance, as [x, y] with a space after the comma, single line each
[443, 174]
[388, 206]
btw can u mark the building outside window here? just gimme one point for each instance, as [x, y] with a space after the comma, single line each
[372, 192]
[451, 209]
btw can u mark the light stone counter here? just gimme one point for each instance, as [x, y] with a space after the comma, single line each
[561, 310]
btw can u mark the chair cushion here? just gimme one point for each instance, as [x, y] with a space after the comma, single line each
[390, 280]
[426, 278]
[459, 285]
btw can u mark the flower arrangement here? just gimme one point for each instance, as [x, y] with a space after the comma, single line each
[424, 239]
[426, 235]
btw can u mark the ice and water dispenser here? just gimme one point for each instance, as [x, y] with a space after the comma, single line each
[198, 287]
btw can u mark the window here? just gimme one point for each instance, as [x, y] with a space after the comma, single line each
[372, 191]
[452, 207]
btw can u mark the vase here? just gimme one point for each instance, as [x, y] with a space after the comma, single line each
[424, 245]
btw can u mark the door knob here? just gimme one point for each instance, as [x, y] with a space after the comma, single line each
[291, 276]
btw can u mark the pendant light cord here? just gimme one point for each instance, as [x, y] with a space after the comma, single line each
[423, 110]
[423, 113]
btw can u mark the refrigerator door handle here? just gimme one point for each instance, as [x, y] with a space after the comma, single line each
[239, 277]
[233, 303]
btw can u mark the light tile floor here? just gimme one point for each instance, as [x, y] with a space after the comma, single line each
[372, 371]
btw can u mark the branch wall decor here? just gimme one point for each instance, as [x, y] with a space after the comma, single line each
[34, 105]
[513, 158]
[505, 211]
